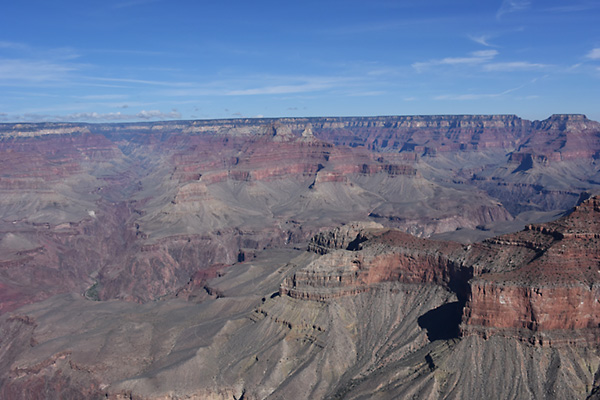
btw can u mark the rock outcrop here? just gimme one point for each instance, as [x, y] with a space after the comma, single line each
[549, 297]
[384, 256]
[540, 285]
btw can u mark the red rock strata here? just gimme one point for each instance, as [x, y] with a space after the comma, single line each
[550, 296]
[387, 255]
[540, 285]
[135, 210]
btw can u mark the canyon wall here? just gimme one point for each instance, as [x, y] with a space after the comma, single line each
[274, 258]
[540, 285]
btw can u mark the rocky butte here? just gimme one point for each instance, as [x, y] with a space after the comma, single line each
[359, 257]
[547, 292]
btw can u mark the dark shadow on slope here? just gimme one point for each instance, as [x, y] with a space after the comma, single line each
[595, 393]
[442, 323]
[355, 244]
[525, 165]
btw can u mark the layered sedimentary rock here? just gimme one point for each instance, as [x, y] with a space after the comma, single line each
[576, 134]
[385, 256]
[180, 191]
[167, 260]
[538, 285]
[553, 295]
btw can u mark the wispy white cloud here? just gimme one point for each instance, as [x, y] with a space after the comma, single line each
[95, 116]
[103, 97]
[594, 54]
[511, 6]
[14, 46]
[513, 66]
[281, 89]
[141, 81]
[133, 52]
[259, 85]
[369, 27]
[477, 57]
[483, 59]
[366, 93]
[482, 40]
[481, 96]
[22, 64]
[156, 114]
[17, 71]
[468, 96]
[485, 54]
[27, 52]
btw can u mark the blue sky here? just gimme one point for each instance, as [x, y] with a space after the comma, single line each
[137, 60]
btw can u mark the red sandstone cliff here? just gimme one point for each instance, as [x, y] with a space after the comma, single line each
[550, 297]
[540, 285]
[358, 258]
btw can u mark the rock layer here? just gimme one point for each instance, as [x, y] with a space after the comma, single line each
[552, 295]
[166, 260]
[540, 285]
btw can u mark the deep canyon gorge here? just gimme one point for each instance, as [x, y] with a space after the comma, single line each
[328, 257]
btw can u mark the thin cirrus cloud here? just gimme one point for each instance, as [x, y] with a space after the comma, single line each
[24, 64]
[146, 115]
[14, 46]
[477, 57]
[482, 40]
[483, 59]
[267, 85]
[103, 97]
[469, 96]
[280, 89]
[513, 66]
[594, 54]
[16, 70]
[511, 6]
[482, 96]
[28, 53]
[140, 81]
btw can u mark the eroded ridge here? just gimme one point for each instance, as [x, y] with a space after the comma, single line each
[551, 298]
[540, 285]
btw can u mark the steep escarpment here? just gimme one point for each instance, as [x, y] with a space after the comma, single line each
[383, 256]
[564, 137]
[428, 135]
[567, 134]
[539, 285]
[551, 297]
